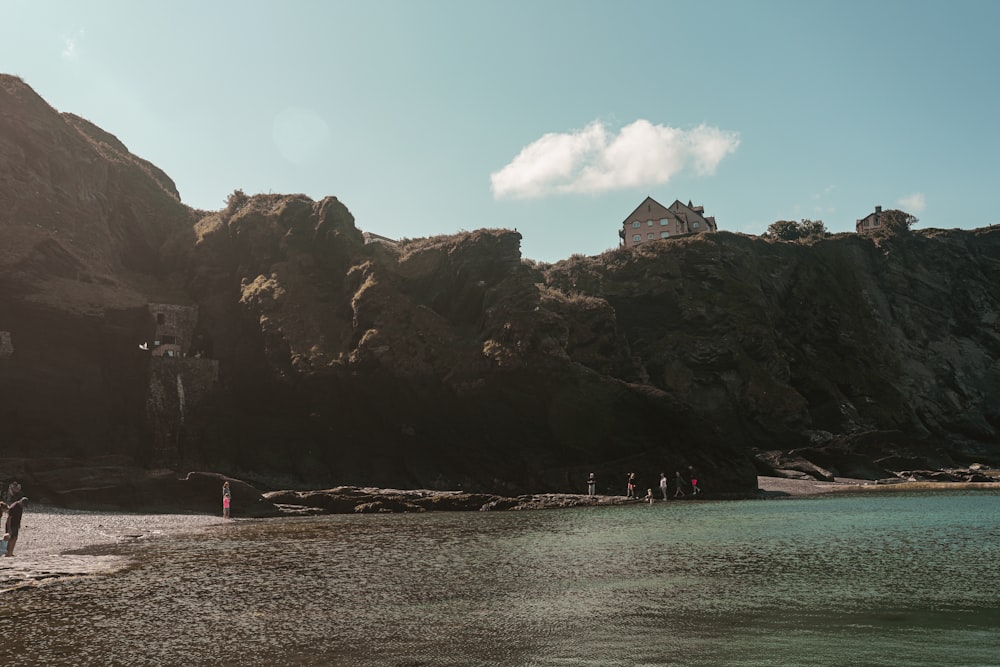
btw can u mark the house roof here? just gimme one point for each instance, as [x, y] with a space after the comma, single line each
[678, 211]
[637, 210]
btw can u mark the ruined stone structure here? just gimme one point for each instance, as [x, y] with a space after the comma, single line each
[175, 385]
[174, 329]
[176, 381]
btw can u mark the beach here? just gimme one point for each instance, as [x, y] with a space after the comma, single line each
[58, 543]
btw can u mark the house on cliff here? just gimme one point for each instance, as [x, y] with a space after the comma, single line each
[371, 237]
[174, 328]
[870, 222]
[651, 220]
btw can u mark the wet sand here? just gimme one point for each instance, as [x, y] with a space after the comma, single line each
[51, 538]
[58, 543]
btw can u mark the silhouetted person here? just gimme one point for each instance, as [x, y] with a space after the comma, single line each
[630, 486]
[14, 513]
[13, 491]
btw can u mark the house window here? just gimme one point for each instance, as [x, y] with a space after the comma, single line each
[636, 238]
[649, 236]
[649, 223]
[664, 222]
[160, 319]
[635, 225]
[664, 235]
[694, 225]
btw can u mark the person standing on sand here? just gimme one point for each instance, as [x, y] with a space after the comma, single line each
[14, 513]
[13, 491]
[663, 484]
[591, 485]
[630, 486]
[227, 498]
[679, 481]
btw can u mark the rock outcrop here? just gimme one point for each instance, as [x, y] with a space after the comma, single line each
[452, 362]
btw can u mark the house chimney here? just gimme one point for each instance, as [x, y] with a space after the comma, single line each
[878, 209]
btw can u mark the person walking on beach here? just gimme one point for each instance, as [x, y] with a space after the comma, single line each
[227, 498]
[694, 487]
[591, 485]
[679, 481]
[663, 485]
[14, 513]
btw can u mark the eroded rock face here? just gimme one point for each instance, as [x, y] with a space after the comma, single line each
[855, 353]
[452, 363]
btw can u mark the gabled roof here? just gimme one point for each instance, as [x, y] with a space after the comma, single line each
[636, 210]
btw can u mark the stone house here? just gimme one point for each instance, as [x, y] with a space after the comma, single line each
[174, 329]
[870, 222]
[652, 220]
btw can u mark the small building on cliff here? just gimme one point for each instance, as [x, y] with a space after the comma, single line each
[651, 220]
[174, 329]
[371, 237]
[176, 382]
[870, 222]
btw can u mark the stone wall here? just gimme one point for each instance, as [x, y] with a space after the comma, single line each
[174, 328]
[176, 386]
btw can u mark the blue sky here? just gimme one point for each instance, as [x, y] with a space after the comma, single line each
[554, 117]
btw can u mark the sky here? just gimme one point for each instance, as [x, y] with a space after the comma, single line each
[553, 117]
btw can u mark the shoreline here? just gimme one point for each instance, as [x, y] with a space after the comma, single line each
[52, 541]
[58, 544]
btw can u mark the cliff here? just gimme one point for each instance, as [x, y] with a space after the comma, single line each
[452, 362]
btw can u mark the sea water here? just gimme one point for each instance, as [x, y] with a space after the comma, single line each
[843, 579]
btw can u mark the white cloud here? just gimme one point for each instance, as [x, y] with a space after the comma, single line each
[915, 203]
[590, 160]
[70, 51]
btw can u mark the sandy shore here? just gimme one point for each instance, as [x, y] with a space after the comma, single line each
[48, 533]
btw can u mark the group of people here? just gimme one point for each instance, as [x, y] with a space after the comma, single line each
[632, 481]
[13, 505]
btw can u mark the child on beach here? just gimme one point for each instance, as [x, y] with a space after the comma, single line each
[649, 496]
[3, 544]
[226, 499]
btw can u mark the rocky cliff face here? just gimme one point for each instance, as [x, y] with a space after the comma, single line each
[453, 363]
[863, 354]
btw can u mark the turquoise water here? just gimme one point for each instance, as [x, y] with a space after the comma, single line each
[837, 580]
